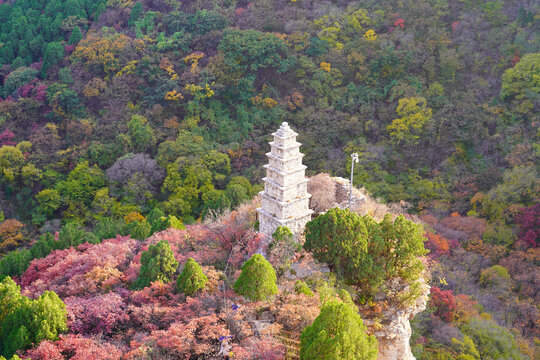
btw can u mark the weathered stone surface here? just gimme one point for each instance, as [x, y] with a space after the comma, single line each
[392, 327]
[285, 200]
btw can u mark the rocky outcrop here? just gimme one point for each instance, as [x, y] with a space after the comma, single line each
[329, 192]
[391, 325]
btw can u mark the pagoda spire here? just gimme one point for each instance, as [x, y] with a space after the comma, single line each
[285, 200]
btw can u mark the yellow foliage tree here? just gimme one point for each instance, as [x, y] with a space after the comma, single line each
[370, 35]
[194, 60]
[173, 95]
[200, 92]
[266, 103]
[101, 50]
[338, 29]
[165, 64]
[358, 19]
[128, 69]
[330, 33]
[326, 66]
[357, 63]
[414, 115]
[12, 161]
[133, 216]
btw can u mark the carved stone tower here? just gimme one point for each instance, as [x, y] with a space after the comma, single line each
[285, 200]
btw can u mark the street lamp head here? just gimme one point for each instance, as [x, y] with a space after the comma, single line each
[354, 157]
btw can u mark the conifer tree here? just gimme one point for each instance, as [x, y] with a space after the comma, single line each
[10, 297]
[154, 218]
[365, 253]
[76, 36]
[257, 280]
[337, 333]
[192, 278]
[99, 11]
[24, 322]
[136, 12]
[157, 264]
[53, 55]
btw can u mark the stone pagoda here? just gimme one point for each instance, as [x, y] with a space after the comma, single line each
[285, 200]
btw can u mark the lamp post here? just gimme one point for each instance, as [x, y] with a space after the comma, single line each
[354, 159]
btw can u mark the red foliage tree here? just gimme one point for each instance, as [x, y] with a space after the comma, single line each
[528, 220]
[113, 322]
[26, 89]
[264, 348]
[444, 302]
[6, 137]
[471, 228]
[200, 336]
[101, 314]
[89, 269]
[41, 93]
[74, 347]
[207, 244]
[158, 294]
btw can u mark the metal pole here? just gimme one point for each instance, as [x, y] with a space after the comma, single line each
[354, 158]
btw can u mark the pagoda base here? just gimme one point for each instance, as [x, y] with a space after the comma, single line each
[269, 223]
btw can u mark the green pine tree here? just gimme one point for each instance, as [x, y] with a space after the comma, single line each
[257, 280]
[10, 297]
[53, 55]
[99, 11]
[24, 322]
[76, 36]
[157, 264]
[337, 333]
[365, 253]
[192, 278]
[154, 219]
[300, 287]
[136, 12]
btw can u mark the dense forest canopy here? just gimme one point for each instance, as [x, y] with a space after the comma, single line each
[439, 98]
[125, 117]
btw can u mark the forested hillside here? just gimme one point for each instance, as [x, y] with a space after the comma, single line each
[127, 118]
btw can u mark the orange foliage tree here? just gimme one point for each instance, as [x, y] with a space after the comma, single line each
[436, 244]
[10, 235]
